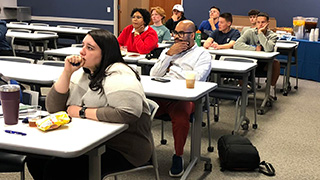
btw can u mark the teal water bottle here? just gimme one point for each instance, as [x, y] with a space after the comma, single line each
[198, 37]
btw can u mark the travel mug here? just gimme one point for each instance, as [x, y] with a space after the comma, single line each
[10, 98]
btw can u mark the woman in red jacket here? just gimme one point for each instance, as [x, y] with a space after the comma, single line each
[139, 37]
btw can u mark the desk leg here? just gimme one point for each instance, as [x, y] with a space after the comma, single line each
[266, 99]
[286, 88]
[196, 139]
[95, 162]
[244, 92]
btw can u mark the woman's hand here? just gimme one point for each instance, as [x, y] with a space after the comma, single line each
[139, 30]
[73, 111]
[73, 63]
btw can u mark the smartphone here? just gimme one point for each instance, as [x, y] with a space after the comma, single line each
[160, 79]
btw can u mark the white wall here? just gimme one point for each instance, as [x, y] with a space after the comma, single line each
[7, 3]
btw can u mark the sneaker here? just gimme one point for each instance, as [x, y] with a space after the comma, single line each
[272, 92]
[177, 166]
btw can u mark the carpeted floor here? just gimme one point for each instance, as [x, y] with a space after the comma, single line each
[287, 136]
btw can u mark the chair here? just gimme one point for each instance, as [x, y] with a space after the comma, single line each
[89, 28]
[284, 64]
[20, 23]
[153, 162]
[20, 42]
[65, 39]
[166, 117]
[51, 63]
[234, 93]
[67, 26]
[52, 43]
[10, 162]
[77, 45]
[10, 41]
[17, 59]
[39, 24]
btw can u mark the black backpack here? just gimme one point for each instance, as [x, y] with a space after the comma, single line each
[236, 153]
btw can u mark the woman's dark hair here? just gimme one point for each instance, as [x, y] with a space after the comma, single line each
[110, 53]
[145, 14]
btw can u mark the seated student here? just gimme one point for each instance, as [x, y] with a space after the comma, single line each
[184, 55]
[177, 16]
[208, 26]
[5, 48]
[224, 37]
[158, 16]
[139, 37]
[104, 89]
[261, 39]
[252, 18]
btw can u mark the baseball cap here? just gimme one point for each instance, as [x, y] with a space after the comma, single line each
[178, 7]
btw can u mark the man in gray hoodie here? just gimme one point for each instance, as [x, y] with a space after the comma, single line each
[261, 39]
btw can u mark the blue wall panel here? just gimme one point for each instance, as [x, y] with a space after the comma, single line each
[70, 8]
[282, 10]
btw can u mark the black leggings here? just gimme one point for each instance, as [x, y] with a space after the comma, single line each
[75, 168]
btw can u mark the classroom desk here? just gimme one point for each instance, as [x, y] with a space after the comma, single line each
[286, 48]
[43, 38]
[260, 56]
[238, 69]
[31, 73]
[63, 52]
[176, 90]
[56, 143]
[60, 31]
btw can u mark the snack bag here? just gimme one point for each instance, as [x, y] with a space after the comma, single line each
[53, 121]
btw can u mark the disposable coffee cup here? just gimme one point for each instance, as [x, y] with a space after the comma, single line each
[10, 98]
[190, 79]
[34, 114]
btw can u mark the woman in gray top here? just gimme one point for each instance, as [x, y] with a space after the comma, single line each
[104, 89]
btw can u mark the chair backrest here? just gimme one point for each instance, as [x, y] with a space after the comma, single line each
[21, 23]
[45, 32]
[51, 63]
[77, 45]
[39, 24]
[238, 59]
[153, 108]
[17, 59]
[20, 30]
[89, 28]
[67, 26]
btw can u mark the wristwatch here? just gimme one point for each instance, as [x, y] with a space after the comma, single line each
[82, 112]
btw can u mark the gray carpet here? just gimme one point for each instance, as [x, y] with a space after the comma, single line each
[287, 137]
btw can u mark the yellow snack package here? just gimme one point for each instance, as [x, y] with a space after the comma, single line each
[53, 121]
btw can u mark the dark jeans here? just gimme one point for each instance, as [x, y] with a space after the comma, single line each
[6, 53]
[75, 168]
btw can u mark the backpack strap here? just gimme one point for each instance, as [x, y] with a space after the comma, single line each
[266, 169]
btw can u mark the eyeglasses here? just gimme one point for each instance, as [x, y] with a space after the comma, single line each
[138, 17]
[180, 33]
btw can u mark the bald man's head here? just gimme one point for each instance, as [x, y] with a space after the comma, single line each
[187, 28]
[187, 25]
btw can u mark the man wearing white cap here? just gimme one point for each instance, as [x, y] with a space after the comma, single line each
[177, 16]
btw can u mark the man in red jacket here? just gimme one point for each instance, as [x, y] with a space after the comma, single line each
[139, 37]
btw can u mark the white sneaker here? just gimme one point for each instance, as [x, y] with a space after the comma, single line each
[272, 92]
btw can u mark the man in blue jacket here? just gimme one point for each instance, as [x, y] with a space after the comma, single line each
[5, 48]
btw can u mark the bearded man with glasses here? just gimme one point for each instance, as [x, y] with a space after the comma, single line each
[184, 55]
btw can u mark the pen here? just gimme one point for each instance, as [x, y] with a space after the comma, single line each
[15, 132]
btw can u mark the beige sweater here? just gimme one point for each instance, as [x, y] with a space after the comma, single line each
[123, 101]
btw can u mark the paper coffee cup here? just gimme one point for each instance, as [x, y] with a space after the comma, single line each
[190, 79]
